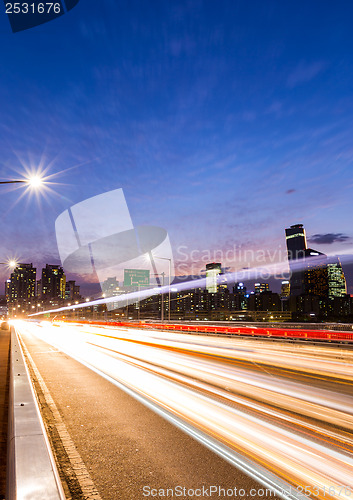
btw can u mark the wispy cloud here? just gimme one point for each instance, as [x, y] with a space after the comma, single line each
[304, 72]
[249, 116]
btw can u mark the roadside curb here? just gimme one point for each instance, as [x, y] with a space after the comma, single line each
[31, 469]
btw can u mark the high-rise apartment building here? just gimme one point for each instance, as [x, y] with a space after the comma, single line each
[53, 283]
[296, 248]
[72, 291]
[110, 287]
[337, 286]
[312, 272]
[239, 296]
[21, 287]
[285, 289]
[262, 287]
[213, 270]
[296, 242]
[315, 281]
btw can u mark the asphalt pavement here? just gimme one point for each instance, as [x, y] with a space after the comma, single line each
[126, 450]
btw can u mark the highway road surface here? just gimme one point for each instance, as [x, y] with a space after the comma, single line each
[121, 404]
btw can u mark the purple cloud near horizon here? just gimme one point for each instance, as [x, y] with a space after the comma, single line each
[328, 238]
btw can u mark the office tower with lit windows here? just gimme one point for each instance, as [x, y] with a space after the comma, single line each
[239, 288]
[39, 289]
[313, 273]
[213, 270]
[337, 286]
[53, 283]
[296, 248]
[296, 242]
[72, 291]
[308, 267]
[240, 297]
[21, 287]
[262, 287]
[285, 289]
[110, 287]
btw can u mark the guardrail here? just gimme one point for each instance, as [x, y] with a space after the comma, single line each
[233, 330]
[31, 469]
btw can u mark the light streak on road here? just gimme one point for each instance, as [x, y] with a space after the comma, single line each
[284, 413]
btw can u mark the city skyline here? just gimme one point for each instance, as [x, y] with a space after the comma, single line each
[222, 129]
[316, 291]
[176, 249]
[308, 271]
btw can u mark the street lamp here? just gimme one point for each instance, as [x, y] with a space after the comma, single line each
[34, 181]
[10, 264]
[170, 266]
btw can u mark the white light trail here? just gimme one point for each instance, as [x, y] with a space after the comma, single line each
[300, 430]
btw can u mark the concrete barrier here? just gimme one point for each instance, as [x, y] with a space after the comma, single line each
[260, 331]
[31, 470]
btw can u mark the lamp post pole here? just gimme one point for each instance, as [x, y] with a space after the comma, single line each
[170, 272]
[162, 301]
[33, 181]
[13, 182]
[138, 302]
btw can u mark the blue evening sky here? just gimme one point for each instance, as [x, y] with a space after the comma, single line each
[224, 122]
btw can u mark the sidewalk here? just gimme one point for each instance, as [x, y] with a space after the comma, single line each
[4, 392]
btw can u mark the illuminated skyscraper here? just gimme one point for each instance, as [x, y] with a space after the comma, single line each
[53, 282]
[262, 287]
[316, 274]
[336, 280]
[296, 247]
[239, 288]
[110, 287]
[240, 296]
[313, 273]
[212, 272]
[72, 291]
[285, 289]
[296, 242]
[22, 284]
